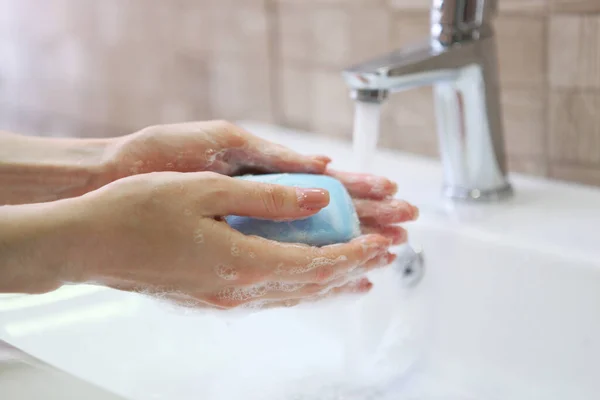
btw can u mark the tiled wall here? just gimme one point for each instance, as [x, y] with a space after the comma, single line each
[90, 68]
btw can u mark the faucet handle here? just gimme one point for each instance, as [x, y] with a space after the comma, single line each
[458, 20]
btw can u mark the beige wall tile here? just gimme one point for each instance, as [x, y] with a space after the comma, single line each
[332, 110]
[185, 94]
[330, 41]
[527, 165]
[522, 50]
[509, 6]
[318, 3]
[232, 3]
[410, 5]
[193, 32]
[523, 6]
[332, 36]
[240, 88]
[575, 6]
[293, 34]
[584, 175]
[295, 91]
[575, 127]
[370, 32]
[525, 121]
[409, 28]
[240, 30]
[574, 51]
[409, 122]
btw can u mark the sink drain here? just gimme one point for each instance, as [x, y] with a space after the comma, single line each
[411, 265]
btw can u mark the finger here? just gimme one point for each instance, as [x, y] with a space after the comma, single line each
[271, 157]
[186, 301]
[396, 234]
[380, 261]
[360, 286]
[263, 200]
[385, 212]
[304, 264]
[365, 186]
[285, 290]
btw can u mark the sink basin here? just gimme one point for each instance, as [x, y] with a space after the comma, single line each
[509, 308]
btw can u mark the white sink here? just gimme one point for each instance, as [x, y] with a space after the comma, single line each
[509, 308]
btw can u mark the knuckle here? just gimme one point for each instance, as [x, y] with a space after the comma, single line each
[211, 177]
[274, 200]
[324, 273]
[234, 135]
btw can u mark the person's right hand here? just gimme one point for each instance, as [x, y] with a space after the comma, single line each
[164, 233]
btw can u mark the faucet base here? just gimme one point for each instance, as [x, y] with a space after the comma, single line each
[476, 195]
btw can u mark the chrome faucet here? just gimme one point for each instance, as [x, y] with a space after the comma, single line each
[459, 61]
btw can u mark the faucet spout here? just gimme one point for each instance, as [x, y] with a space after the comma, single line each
[459, 61]
[421, 65]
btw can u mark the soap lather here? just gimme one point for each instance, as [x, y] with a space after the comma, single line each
[336, 223]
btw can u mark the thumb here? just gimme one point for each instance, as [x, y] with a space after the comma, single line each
[268, 201]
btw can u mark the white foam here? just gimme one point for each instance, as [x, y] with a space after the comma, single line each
[313, 264]
[242, 293]
[226, 272]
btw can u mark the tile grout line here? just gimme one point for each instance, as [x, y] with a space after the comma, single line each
[546, 126]
[271, 10]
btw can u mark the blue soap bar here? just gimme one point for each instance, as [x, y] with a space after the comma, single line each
[336, 223]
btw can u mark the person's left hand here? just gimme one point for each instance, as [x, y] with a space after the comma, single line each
[224, 148]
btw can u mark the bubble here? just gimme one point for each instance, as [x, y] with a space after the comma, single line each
[198, 236]
[316, 263]
[290, 303]
[255, 305]
[284, 286]
[211, 156]
[242, 293]
[227, 273]
[251, 255]
[235, 251]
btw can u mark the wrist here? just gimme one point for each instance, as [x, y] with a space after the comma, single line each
[34, 170]
[36, 242]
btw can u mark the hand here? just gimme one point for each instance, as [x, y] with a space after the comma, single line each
[225, 148]
[215, 146]
[377, 210]
[162, 233]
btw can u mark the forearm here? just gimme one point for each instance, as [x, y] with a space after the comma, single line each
[36, 242]
[35, 169]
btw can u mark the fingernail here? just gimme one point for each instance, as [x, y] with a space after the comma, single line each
[391, 257]
[364, 285]
[415, 215]
[394, 188]
[312, 199]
